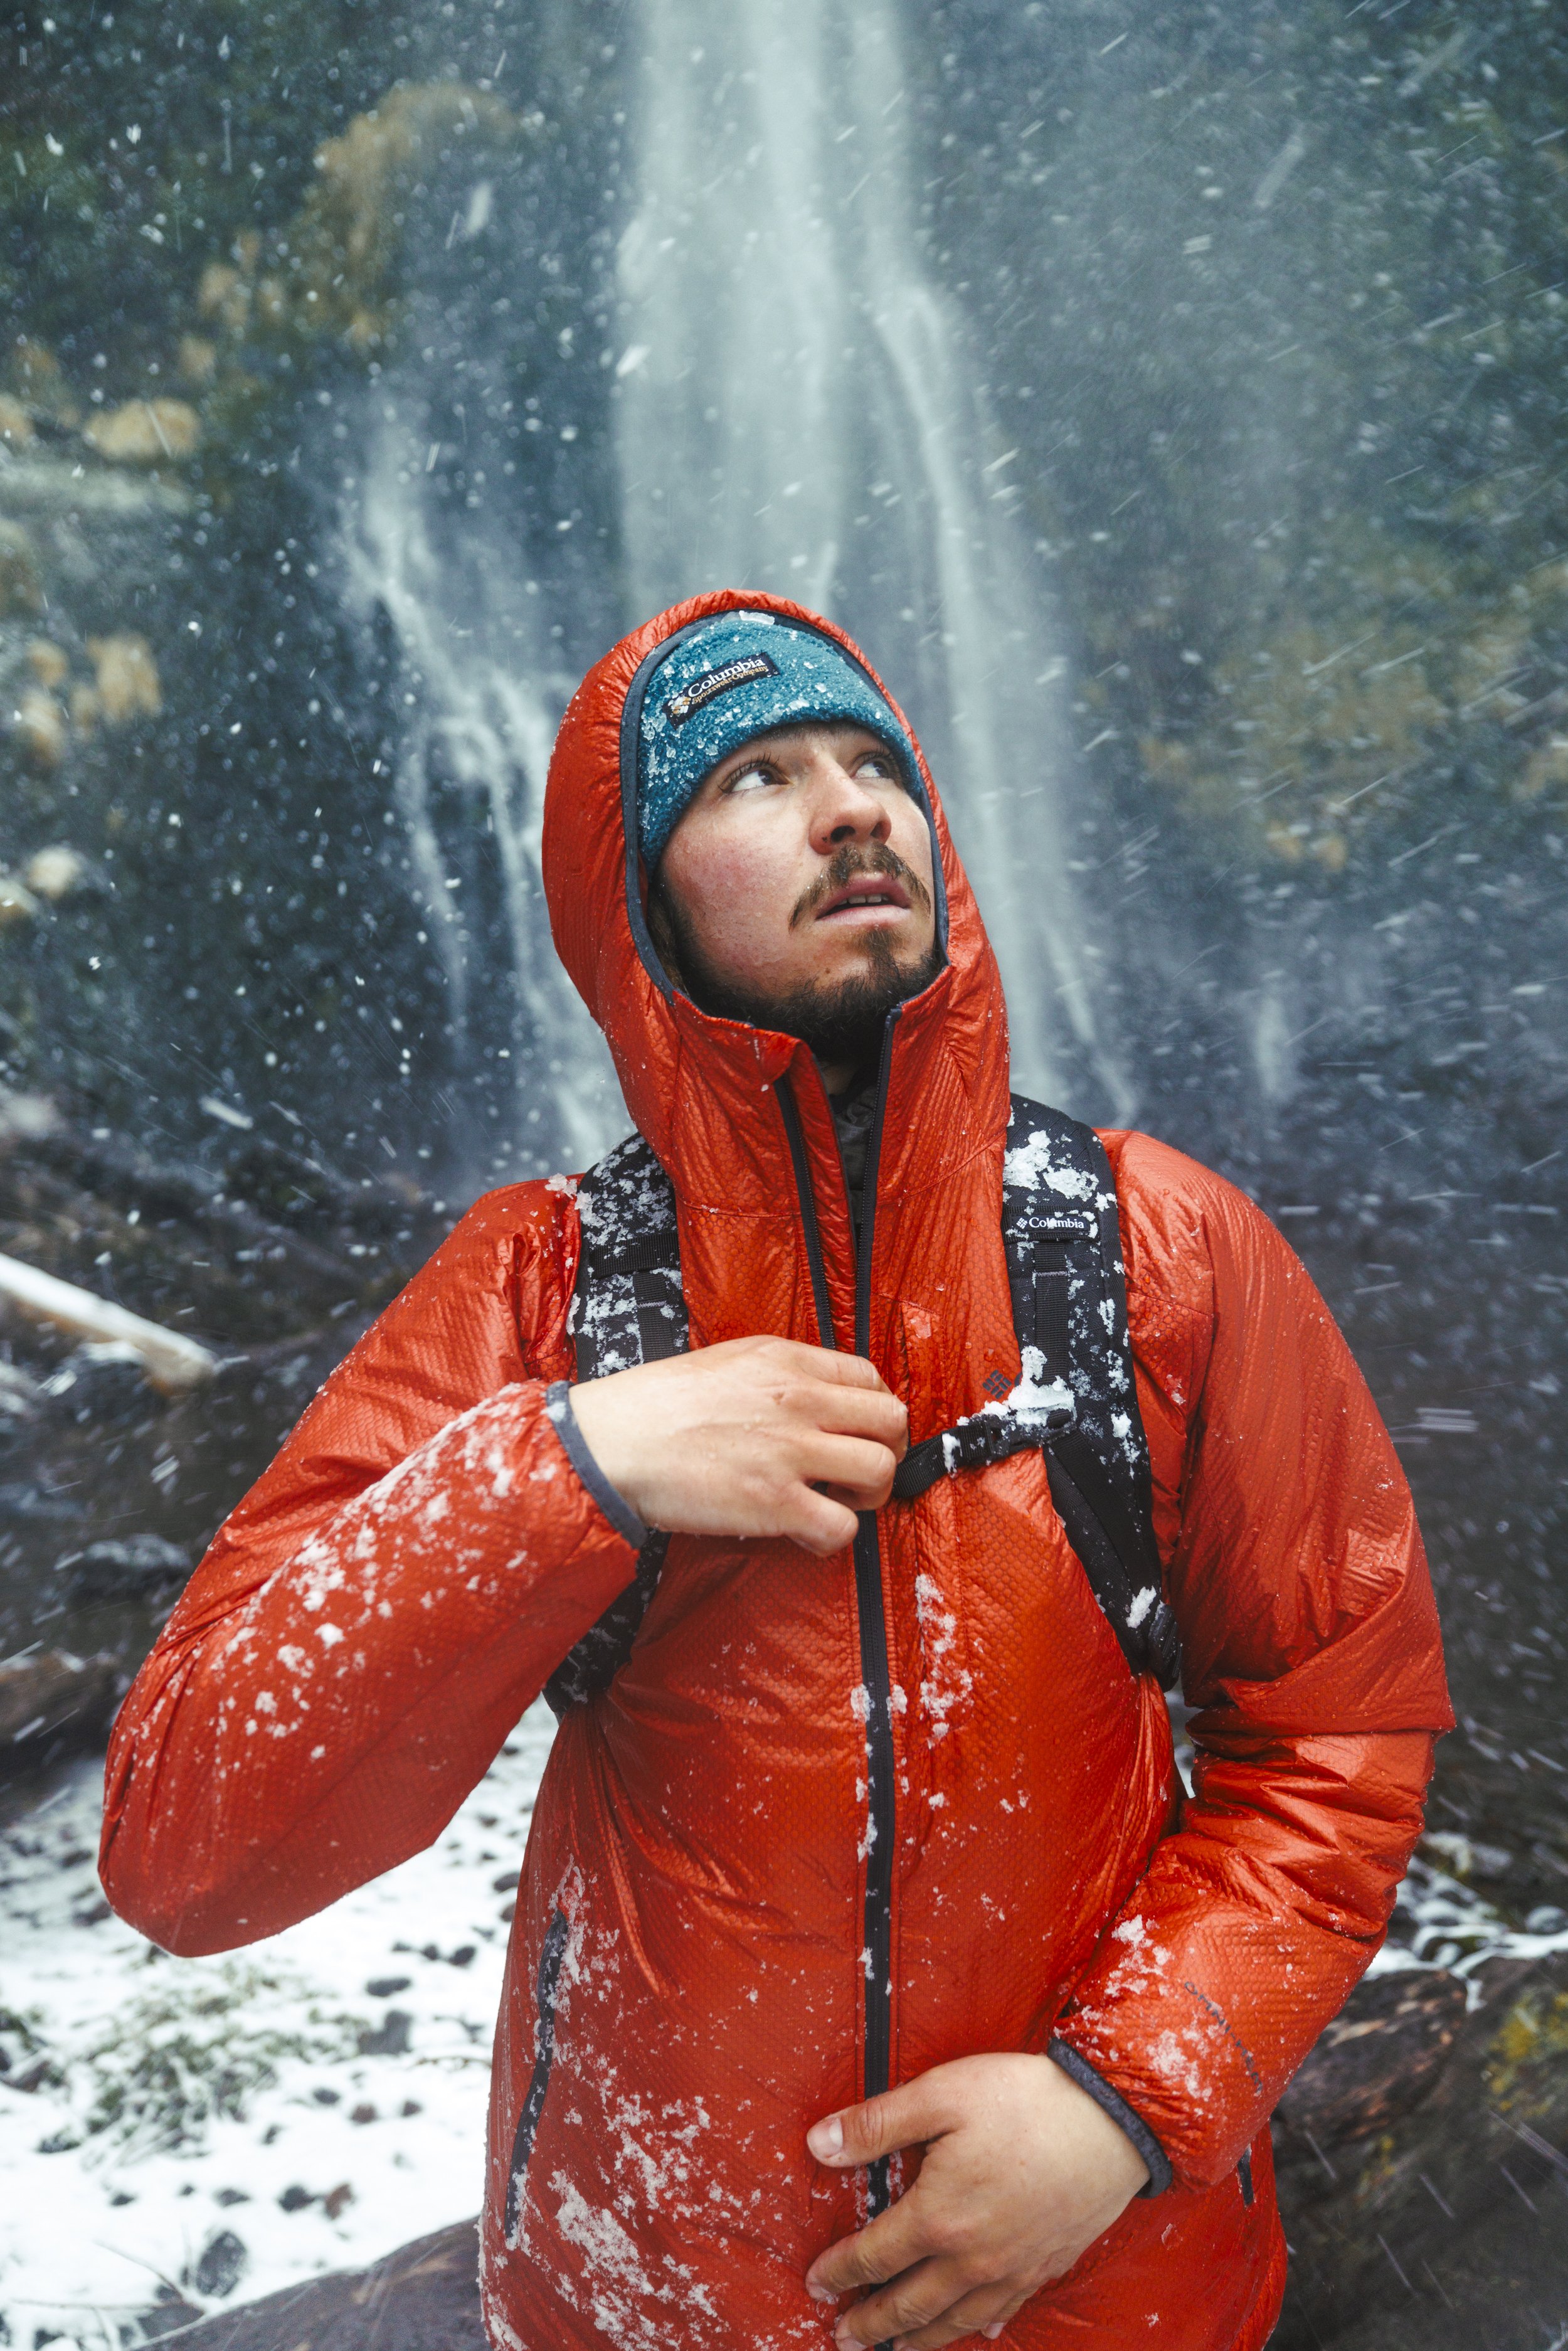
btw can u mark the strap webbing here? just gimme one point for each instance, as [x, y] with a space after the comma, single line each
[1077, 1402]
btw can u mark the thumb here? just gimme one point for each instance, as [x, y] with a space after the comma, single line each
[857, 2134]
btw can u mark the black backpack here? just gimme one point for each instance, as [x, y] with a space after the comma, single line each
[1077, 1400]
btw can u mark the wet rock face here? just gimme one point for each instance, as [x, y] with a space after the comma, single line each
[1422, 2167]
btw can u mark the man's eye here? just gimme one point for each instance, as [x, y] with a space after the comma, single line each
[751, 779]
[877, 763]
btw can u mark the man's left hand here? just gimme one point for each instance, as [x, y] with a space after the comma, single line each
[1022, 2171]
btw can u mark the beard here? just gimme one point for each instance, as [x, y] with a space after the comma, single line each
[840, 1019]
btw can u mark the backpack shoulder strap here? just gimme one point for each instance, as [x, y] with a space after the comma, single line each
[1062, 1234]
[1077, 1399]
[626, 1309]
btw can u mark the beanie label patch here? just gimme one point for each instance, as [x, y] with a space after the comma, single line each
[703, 690]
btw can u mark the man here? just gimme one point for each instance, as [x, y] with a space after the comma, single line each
[1085, 1991]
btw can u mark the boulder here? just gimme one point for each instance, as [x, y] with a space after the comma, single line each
[40, 725]
[127, 684]
[21, 583]
[425, 2297]
[1422, 2171]
[54, 873]
[18, 903]
[38, 376]
[51, 1703]
[49, 664]
[145, 432]
[139, 1567]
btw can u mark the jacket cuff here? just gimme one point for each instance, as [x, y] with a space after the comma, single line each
[614, 1504]
[1110, 2102]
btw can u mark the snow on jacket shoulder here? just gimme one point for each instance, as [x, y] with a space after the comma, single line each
[715, 1852]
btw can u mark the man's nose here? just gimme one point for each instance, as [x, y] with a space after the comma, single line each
[843, 810]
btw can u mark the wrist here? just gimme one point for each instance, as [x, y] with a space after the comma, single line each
[622, 1512]
[1139, 2138]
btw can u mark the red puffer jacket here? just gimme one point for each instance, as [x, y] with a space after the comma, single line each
[373, 1618]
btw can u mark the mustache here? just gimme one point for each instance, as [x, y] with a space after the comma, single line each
[851, 860]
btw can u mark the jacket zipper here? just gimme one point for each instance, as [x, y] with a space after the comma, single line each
[875, 1679]
[551, 1954]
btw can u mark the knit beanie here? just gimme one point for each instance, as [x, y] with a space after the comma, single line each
[739, 674]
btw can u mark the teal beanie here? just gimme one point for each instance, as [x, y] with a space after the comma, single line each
[740, 674]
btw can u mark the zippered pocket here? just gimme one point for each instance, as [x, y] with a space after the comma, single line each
[550, 1957]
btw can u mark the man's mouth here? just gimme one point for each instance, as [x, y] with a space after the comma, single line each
[862, 893]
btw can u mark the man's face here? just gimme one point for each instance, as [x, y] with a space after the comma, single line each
[796, 891]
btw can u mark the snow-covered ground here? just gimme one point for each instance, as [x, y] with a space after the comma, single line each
[225, 2108]
[203, 2131]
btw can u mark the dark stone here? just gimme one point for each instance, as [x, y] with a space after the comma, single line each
[141, 1566]
[389, 2037]
[424, 2297]
[167, 2318]
[295, 2198]
[1423, 2177]
[383, 1987]
[221, 2264]
[1379, 2057]
[53, 1701]
[100, 1384]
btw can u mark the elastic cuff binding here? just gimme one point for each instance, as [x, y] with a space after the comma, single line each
[1078, 2069]
[574, 1444]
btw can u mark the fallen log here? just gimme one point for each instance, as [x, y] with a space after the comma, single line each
[173, 1363]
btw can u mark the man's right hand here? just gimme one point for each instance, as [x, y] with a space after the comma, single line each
[755, 1437]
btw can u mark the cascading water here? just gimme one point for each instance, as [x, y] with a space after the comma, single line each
[794, 407]
[482, 705]
[798, 412]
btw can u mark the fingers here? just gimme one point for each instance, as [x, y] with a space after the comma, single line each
[730, 1439]
[916, 2298]
[891, 2246]
[982, 2314]
[906, 2116]
[854, 1466]
[871, 1413]
[929, 2307]
[843, 1370]
[820, 1524]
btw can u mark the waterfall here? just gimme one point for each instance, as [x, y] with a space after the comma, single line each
[798, 409]
[480, 699]
[794, 405]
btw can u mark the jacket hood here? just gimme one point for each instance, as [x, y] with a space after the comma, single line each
[700, 1088]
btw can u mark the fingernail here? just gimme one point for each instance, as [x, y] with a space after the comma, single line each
[991, 2333]
[826, 2140]
[820, 2294]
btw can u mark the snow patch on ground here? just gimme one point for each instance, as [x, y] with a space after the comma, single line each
[177, 2101]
